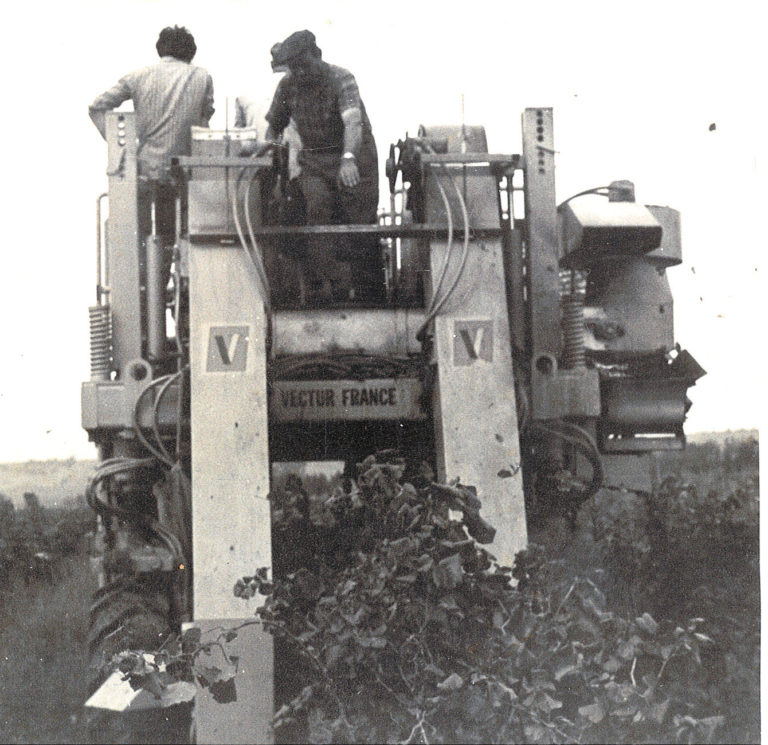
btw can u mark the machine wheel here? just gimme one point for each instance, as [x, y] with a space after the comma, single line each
[131, 614]
[126, 614]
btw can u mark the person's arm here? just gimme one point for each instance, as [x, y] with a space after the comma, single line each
[277, 118]
[241, 111]
[208, 109]
[349, 175]
[350, 108]
[292, 141]
[107, 101]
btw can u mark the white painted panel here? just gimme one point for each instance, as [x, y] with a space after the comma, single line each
[230, 457]
[475, 409]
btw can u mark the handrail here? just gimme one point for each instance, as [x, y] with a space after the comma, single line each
[410, 230]
[207, 161]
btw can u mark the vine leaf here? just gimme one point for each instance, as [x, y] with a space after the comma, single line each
[190, 640]
[593, 712]
[452, 683]
[647, 623]
[448, 574]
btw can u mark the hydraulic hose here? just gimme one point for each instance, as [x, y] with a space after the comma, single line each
[160, 454]
[107, 468]
[252, 235]
[113, 467]
[253, 253]
[580, 440]
[156, 409]
[449, 247]
[436, 305]
[602, 191]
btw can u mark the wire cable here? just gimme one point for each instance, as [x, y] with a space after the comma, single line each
[254, 244]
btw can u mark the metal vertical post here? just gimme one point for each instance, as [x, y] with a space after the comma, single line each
[123, 239]
[542, 245]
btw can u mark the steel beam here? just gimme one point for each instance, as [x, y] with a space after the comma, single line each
[412, 230]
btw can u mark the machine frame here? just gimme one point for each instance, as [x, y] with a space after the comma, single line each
[547, 334]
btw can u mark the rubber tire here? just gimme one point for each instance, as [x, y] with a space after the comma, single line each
[131, 614]
[126, 614]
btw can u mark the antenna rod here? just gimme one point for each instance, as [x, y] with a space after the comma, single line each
[463, 128]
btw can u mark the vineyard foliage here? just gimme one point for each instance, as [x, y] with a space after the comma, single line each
[35, 540]
[394, 624]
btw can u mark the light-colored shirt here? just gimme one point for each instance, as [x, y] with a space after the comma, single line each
[169, 97]
[250, 113]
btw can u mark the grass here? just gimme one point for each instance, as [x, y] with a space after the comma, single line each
[42, 652]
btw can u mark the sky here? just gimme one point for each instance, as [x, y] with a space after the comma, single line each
[635, 88]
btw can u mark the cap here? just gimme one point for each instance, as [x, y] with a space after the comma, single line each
[297, 43]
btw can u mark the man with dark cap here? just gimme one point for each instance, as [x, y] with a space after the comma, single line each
[339, 169]
[169, 98]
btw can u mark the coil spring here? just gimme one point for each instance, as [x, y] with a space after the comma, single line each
[100, 318]
[573, 290]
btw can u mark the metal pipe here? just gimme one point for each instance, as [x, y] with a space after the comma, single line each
[155, 298]
[514, 261]
[155, 289]
[153, 211]
[177, 232]
[101, 280]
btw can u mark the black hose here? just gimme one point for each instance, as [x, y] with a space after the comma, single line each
[578, 438]
[113, 467]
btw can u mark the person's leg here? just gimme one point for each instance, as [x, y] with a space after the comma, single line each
[359, 206]
[321, 270]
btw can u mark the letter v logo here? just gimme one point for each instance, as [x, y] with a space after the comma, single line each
[472, 341]
[227, 349]
[473, 345]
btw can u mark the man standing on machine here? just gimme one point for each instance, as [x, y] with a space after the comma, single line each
[339, 169]
[169, 97]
